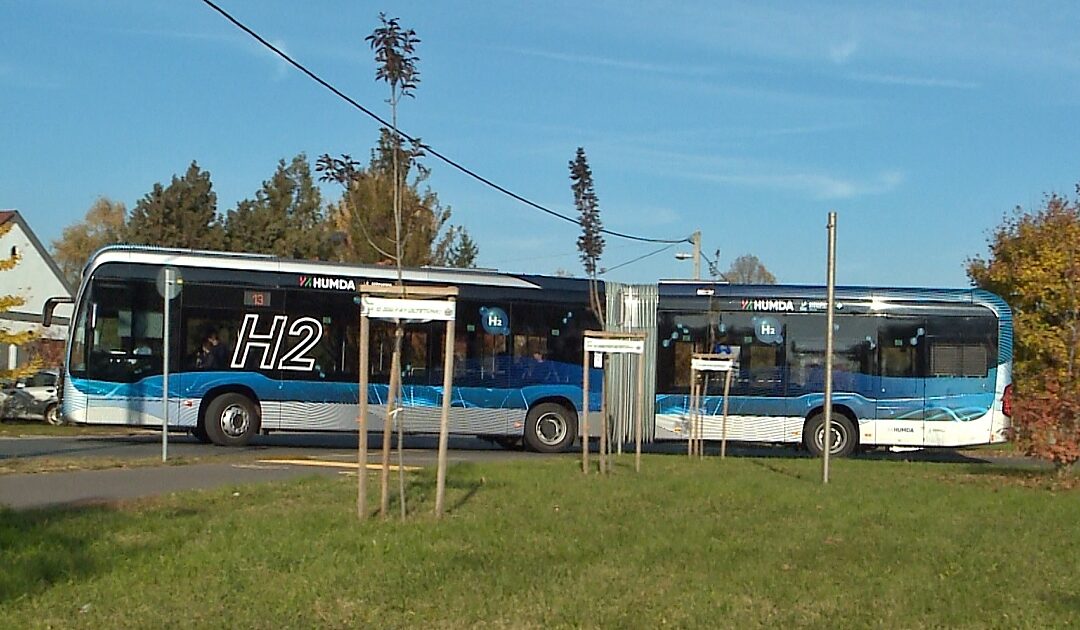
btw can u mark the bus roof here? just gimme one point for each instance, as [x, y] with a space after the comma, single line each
[149, 255]
[697, 288]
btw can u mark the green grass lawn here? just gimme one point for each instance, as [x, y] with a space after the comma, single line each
[534, 544]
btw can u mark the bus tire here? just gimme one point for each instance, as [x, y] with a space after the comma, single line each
[509, 442]
[231, 420]
[550, 428]
[844, 438]
[199, 433]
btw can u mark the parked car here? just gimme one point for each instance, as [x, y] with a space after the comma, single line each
[33, 397]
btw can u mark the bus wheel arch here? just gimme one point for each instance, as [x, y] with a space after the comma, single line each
[230, 416]
[551, 425]
[845, 431]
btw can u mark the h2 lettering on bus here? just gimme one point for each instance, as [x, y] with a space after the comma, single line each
[267, 345]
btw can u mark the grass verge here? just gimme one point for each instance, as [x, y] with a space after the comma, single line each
[534, 544]
[18, 428]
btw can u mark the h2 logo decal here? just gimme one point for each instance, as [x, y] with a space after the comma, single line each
[267, 345]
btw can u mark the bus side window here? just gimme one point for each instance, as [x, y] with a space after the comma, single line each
[899, 342]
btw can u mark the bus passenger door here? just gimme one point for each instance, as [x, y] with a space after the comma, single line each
[902, 386]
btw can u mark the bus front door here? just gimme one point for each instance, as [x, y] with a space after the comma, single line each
[902, 387]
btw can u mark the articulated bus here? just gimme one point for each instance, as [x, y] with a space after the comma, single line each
[260, 344]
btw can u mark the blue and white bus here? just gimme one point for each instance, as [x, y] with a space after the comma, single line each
[911, 367]
[263, 344]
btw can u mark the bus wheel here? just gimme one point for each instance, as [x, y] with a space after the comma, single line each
[509, 442]
[52, 415]
[199, 433]
[550, 428]
[231, 420]
[843, 435]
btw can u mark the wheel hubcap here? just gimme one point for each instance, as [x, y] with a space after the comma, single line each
[551, 429]
[839, 438]
[235, 421]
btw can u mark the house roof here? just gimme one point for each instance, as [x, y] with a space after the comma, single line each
[13, 215]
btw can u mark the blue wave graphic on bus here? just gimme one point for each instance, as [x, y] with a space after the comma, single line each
[954, 408]
[506, 390]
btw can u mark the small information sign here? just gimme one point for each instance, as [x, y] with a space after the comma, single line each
[619, 346]
[712, 365]
[397, 308]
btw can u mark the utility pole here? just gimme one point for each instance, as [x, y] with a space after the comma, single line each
[695, 239]
[830, 305]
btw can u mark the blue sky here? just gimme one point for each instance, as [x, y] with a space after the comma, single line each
[919, 124]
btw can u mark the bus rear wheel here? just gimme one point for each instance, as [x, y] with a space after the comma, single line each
[550, 428]
[231, 420]
[844, 438]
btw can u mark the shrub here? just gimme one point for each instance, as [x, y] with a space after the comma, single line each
[1046, 421]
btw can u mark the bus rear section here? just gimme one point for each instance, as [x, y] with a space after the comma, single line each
[911, 367]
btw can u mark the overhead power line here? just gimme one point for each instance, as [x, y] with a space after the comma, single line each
[427, 148]
[642, 257]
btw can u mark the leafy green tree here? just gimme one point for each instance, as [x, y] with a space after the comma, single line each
[285, 218]
[747, 269]
[104, 224]
[364, 216]
[455, 249]
[182, 214]
[1034, 264]
[591, 242]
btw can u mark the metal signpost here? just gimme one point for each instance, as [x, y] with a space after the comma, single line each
[168, 286]
[611, 343]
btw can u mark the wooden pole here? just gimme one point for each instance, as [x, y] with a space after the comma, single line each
[604, 446]
[444, 420]
[585, 413]
[692, 412]
[388, 430]
[723, 426]
[639, 425]
[362, 441]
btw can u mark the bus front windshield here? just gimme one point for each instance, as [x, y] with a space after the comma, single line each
[119, 332]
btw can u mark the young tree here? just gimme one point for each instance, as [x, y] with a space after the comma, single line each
[1034, 264]
[182, 214]
[591, 241]
[747, 269]
[8, 302]
[104, 224]
[396, 65]
[285, 218]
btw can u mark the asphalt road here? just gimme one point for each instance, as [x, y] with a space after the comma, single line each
[243, 465]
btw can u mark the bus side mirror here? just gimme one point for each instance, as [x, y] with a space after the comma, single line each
[50, 306]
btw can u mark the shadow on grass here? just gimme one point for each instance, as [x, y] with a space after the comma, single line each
[1045, 477]
[767, 465]
[462, 485]
[42, 548]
